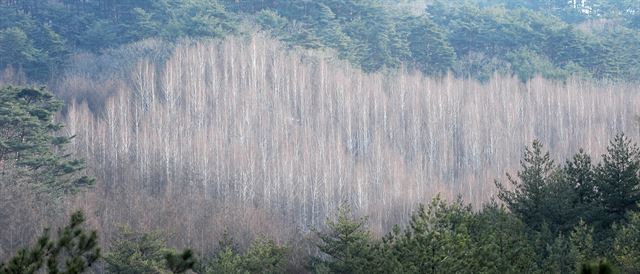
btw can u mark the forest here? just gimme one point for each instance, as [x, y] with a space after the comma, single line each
[553, 38]
[330, 136]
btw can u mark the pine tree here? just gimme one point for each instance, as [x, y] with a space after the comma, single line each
[73, 252]
[134, 252]
[388, 253]
[330, 32]
[264, 256]
[16, 48]
[500, 242]
[618, 179]
[581, 240]
[438, 239]
[626, 247]
[530, 188]
[558, 259]
[180, 262]
[601, 267]
[271, 21]
[226, 261]
[142, 25]
[30, 148]
[346, 244]
[580, 173]
[430, 52]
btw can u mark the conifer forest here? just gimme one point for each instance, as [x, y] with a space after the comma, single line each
[326, 136]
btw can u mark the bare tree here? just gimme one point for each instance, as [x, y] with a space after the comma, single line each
[247, 135]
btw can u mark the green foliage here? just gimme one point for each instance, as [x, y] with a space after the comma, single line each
[73, 252]
[556, 257]
[430, 52]
[527, 64]
[135, 252]
[580, 199]
[623, 58]
[626, 248]
[16, 48]
[30, 148]
[618, 179]
[180, 263]
[262, 256]
[438, 239]
[202, 18]
[543, 227]
[581, 240]
[559, 197]
[346, 245]
[272, 21]
[501, 243]
[580, 172]
[227, 261]
[29, 46]
[531, 186]
[470, 38]
[601, 267]
[38, 39]
[550, 226]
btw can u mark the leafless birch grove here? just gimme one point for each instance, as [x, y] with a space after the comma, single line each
[246, 135]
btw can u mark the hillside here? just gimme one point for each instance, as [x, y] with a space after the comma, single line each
[252, 126]
[329, 136]
[597, 39]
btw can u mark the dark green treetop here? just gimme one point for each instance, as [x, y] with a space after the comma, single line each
[32, 149]
[73, 252]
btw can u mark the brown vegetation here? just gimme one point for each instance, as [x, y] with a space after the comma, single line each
[244, 135]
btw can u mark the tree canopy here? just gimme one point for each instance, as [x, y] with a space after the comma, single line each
[468, 38]
[72, 252]
[32, 150]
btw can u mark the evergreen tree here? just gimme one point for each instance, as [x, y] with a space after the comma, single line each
[134, 252]
[73, 252]
[30, 148]
[626, 247]
[16, 48]
[601, 267]
[388, 253]
[226, 261]
[581, 240]
[558, 259]
[180, 262]
[272, 21]
[501, 244]
[203, 18]
[264, 256]
[526, 64]
[430, 52]
[530, 188]
[580, 173]
[330, 31]
[438, 239]
[142, 25]
[346, 244]
[618, 180]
